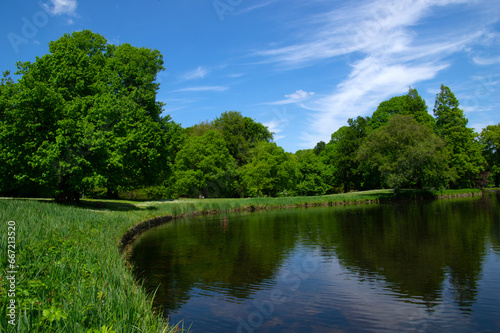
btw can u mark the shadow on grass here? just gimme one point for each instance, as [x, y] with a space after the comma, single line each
[109, 205]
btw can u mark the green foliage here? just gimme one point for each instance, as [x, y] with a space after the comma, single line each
[83, 116]
[84, 120]
[465, 151]
[410, 104]
[200, 129]
[204, 167]
[241, 134]
[490, 139]
[270, 172]
[71, 276]
[407, 154]
[53, 313]
[319, 148]
[104, 329]
[315, 176]
[342, 155]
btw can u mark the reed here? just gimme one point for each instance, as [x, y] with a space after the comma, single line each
[71, 276]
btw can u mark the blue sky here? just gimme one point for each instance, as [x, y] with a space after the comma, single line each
[300, 67]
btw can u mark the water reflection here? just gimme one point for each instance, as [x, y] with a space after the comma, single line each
[390, 267]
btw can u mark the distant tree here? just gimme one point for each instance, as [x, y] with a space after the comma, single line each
[407, 154]
[241, 134]
[319, 148]
[465, 151]
[270, 172]
[85, 115]
[342, 150]
[204, 167]
[490, 139]
[410, 104]
[200, 128]
[315, 176]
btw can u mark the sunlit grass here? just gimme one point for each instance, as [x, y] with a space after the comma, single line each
[71, 276]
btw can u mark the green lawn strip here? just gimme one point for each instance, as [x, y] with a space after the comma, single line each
[72, 276]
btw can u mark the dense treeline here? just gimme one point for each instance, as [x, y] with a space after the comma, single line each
[84, 120]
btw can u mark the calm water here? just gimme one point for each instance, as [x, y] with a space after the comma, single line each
[424, 266]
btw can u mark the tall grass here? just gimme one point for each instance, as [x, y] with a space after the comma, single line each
[72, 276]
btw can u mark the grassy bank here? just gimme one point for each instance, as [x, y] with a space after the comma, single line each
[70, 275]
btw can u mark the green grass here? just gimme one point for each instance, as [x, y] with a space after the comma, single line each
[72, 276]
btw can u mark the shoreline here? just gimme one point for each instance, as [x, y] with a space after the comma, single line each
[127, 240]
[81, 252]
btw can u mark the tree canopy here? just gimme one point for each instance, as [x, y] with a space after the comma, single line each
[204, 167]
[342, 153]
[410, 104]
[270, 172]
[84, 116]
[241, 134]
[84, 119]
[407, 154]
[490, 139]
[465, 151]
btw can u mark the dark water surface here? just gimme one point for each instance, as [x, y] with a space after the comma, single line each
[419, 266]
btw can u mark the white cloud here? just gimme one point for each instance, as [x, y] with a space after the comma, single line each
[486, 61]
[391, 55]
[198, 73]
[60, 7]
[296, 97]
[235, 75]
[361, 93]
[276, 126]
[202, 88]
[256, 6]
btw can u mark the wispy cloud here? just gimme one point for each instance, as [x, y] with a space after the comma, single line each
[235, 75]
[202, 88]
[486, 61]
[60, 7]
[255, 6]
[296, 97]
[198, 73]
[387, 47]
[276, 126]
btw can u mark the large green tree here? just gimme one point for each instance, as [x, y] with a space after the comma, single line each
[410, 104]
[465, 151]
[85, 115]
[341, 154]
[241, 134]
[315, 175]
[407, 154]
[490, 139]
[204, 167]
[270, 172]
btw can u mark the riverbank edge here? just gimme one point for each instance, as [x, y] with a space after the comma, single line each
[127, 240]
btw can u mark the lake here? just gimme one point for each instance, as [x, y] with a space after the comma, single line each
[426, 266]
